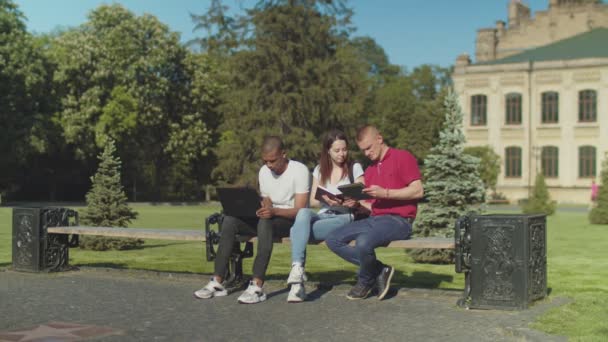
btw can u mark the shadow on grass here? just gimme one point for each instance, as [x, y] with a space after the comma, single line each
[120, 266]
[5, 264]
[142, 247]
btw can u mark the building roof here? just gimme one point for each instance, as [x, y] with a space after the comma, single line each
[591, 44]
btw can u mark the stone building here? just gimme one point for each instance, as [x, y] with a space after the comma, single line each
[538, 95]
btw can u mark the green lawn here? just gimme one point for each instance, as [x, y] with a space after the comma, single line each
[577, 266]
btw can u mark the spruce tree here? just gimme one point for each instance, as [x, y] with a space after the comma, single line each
[539, 201]
[107, 204]
[599, 214]
[452, 185]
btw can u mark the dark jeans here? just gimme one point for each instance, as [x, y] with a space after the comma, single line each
[265, 229]
[368, 234]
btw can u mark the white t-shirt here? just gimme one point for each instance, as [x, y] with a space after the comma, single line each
[282, 188]
[357, 172]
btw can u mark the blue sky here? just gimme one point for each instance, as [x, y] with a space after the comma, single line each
[412, 32]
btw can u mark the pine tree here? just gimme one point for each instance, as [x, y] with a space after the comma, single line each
[452, 185]
[539, 201]
[599, 214]
[107, 204]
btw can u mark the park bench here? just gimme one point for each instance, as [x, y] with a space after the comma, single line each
[496, 275]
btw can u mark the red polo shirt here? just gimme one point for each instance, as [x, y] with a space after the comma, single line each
[396, 170]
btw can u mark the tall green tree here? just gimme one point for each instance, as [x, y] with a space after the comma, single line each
[107, 204]
[540, 201]
[128, 78]
[25, 98]
[489, 165]
[293, 74]
[452, 184]
[599, 214]
[405, 118]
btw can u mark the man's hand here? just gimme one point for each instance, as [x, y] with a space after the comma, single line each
[266, 202]
[332, 201]
[376, 191]
[265, 213]
[351, 203]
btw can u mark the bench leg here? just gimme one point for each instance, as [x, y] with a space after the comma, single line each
[235, 280]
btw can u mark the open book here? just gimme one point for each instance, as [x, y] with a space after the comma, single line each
[324, 191]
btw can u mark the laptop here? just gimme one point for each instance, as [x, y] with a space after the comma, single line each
[239, 202]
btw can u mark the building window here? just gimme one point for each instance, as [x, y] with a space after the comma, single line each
[550, 161]
[513, 162]
[513, 109]
[586, 161]
[587, 106]
[550, 107]
[479, 106]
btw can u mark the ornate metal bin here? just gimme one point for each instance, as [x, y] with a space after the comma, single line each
[33, 249]
[504, 258]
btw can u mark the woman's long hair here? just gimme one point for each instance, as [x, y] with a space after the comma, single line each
[325, 163]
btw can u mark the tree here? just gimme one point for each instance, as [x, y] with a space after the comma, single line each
[599, 214]
[25, 98]
[540, 200]
[452, 184]
[128, 78]
[293, 75]
[107, 204]
[489, 166]
[407, 109]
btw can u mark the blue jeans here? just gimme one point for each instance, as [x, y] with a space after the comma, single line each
[368, 234]
[312, 226]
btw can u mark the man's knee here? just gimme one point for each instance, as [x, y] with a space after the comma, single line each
[229, 228]
[365, 244]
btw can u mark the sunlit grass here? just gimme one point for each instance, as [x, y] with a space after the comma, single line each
[577, 264]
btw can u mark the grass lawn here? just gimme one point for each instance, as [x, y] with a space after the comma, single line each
[577, 266]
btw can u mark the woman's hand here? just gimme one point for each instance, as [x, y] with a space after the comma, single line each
[332, 201]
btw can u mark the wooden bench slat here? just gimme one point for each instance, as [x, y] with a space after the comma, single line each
[199, 235]
[140, 233]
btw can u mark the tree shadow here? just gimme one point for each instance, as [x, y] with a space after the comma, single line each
[5, 264]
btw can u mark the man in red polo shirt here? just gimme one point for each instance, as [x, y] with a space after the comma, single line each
[393, 180]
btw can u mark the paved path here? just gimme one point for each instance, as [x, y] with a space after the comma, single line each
[149, 306]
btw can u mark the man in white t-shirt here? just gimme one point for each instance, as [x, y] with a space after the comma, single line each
[284, 185]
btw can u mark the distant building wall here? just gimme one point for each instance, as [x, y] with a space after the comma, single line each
[531, 80]
[563, 19]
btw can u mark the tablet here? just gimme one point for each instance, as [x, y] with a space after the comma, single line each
[354, 190]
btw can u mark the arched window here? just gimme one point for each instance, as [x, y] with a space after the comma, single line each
[550, 107]
[513, 162]
[586, 161]
[513, 109]
[479, 107]
[587, 106]
[550, 161]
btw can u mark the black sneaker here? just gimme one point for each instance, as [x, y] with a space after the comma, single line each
[383, 280]
[359, 291]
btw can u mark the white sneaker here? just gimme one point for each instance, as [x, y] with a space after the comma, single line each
[297, 294]
[254, 294]
[297, 275]
[212, 289]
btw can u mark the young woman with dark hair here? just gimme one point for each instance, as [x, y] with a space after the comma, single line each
[334, 169]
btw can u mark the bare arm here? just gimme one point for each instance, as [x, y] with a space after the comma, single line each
[413, 191]
[300, 201]
[313, 193]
